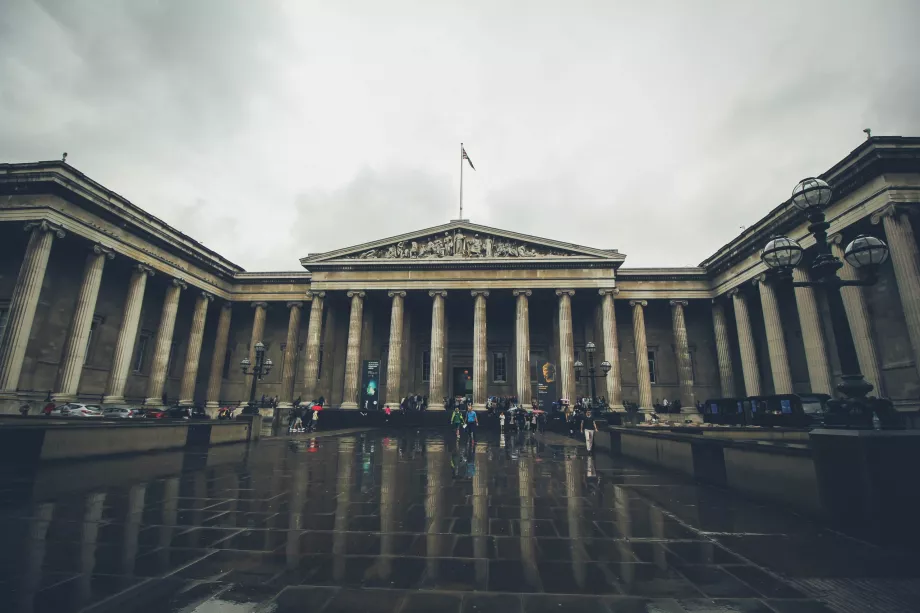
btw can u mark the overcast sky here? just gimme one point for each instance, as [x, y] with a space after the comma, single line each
[271, 129]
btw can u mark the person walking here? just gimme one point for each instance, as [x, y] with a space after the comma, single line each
[589, 427]
[297, 426]
[501, 422]
[456, 421]
[471, 422]
[386, 410]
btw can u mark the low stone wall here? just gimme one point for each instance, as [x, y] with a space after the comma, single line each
[28, 441]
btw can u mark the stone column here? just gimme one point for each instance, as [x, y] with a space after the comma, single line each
[522, 345]
[776, 340]
[75, 348]
[353, 352]
[314, 340]
[682, 349]
[127, 336]
[480, 350]
[216, 377]
[723, 349]
[394, 358]
[746, 344]
[905, 260]
[566, 345]
[193, 355]
[854, 301]
[611, 348]
[819, 369]
[438, 349]
[157, 378]
[644, 377]
[23, 304]
[286, 398]
[258, 332]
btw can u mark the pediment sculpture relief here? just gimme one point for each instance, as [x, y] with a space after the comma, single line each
[458, 245]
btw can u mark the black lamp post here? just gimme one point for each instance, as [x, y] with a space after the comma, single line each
[605, 366]
[782, 254]
[262, 367]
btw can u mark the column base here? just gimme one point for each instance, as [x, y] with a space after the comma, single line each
[9, 402]
[479, 407]
[349, 405]
[211, 411]
[113, 400]
[285, 405]
[212, 404]
[618, 408]
[186, 403]
[153, 402]
[63, 398]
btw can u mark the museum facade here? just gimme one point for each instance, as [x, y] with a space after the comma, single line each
[103, 302]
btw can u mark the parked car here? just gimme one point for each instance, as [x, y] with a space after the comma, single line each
[62, 410]
[154, 413]
[75, 409]
[122, 413]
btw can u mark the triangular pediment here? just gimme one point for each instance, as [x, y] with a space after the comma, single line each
[458, 241]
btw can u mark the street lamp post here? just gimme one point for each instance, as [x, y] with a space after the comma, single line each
[782, 254]
[591, 376]
[262, 367]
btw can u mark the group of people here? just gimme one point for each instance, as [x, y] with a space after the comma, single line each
[414, 402]
[465, 420]
[500, 404]
[522, 420]
[304, 416]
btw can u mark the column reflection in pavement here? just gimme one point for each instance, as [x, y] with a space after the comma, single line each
[388, 502]
[525, 493]
[659, 553]
[433, 511]
[170, 514]
[35, 555]
[624, 525]
[300, 477]
[89, 540]
[346, 461]
[480, 524]
[133, 519]
[573, 475]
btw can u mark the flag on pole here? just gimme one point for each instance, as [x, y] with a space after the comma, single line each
[467, 158]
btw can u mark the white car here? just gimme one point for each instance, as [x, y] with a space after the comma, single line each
[75, 409]
[121, 413]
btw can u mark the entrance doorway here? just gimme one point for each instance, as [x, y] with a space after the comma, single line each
[463, 381]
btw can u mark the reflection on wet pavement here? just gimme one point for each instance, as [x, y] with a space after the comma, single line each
[415, 521]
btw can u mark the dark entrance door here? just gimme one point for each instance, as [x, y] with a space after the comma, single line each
[463, 380]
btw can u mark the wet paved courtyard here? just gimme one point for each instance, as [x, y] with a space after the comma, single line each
[403, 521]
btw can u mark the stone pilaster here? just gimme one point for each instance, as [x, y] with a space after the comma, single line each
[682, 350]
[75, 348]
[746, 344]
[854, 302]
[353, 351]
[438, 351]
[522, 345]
[819, 369]
[643, 376]
[314, 341]
[776, 340]
[723, 349]
[193, 355]
[394, 357]
[480, 350]
[905, 260]
[127, 336]
[23, 304]
[286, 398]
[216, 377]
[611, 348]
[161, 350]
[566, 345]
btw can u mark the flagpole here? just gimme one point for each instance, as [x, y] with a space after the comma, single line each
[461, 180]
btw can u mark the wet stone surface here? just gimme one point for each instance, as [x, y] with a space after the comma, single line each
[403, 521]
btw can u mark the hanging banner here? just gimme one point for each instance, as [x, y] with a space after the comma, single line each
[546, 385]
[370, 385]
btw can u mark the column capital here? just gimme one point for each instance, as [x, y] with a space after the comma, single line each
[612, 291]
[312, 295]
[207, 296]
[835, 239]
[352, 293]
[735, 291]
[890, 210]
[480, 292]
[258, 304]
[639, 303]
[682, 303]
[438, 292]
[294, 303]
[179, 283]
[227, 305]
[397, 292]
[761, 278]
[565, 292]
[521, 292]
[144, 269]
[102, 250]
[45, 226]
